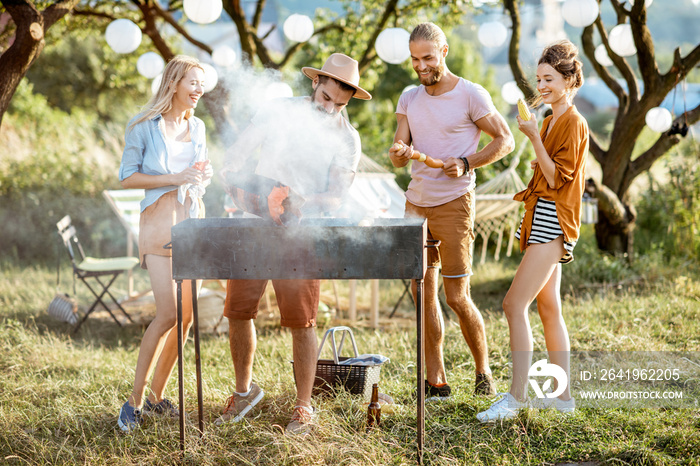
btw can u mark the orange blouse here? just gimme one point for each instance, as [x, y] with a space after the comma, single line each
[567, 146]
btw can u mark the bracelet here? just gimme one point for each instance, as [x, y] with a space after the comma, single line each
[466, 165]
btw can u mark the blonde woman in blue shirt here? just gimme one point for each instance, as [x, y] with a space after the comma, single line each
[164, 154]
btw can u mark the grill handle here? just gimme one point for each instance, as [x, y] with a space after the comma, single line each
[337, 348]
[432, 243]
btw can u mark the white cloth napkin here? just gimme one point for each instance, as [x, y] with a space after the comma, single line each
[195, 192]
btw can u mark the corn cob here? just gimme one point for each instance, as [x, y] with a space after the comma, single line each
[523, 110]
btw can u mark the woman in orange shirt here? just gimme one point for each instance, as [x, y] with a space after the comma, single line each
[547, 233]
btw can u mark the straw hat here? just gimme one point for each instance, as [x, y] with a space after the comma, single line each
[342, 68]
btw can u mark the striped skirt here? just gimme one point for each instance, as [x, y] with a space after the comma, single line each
[545, 228]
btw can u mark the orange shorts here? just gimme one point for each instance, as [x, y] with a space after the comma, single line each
[297, 300]
[157, 220]
[453, 225]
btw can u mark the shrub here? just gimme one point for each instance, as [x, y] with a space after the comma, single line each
[668, 213]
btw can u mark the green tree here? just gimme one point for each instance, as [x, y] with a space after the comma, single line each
[646, 87]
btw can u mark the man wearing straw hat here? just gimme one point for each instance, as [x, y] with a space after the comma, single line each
[306, 144]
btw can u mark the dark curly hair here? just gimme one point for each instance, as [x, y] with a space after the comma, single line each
[563, 57]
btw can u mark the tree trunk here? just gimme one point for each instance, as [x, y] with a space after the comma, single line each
[28, 44]
[31, 25]
[616, 221]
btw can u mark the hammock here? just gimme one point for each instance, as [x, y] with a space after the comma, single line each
[495, 208]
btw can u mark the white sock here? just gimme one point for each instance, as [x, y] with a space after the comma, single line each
[308, 409]
[244, 394]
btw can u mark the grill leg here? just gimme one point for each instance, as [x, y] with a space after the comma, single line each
[197, 359]
[420, 370]
[180, 372]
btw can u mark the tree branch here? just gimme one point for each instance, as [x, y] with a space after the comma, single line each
[645, 48]
[297, 46]
[690, 60]
[257, 17]
[56, 11]
[595, 149]
[150, 13]
[514, 50]
[262, 53]
[621, 64]
[97, 14]
[589, 50]
[660, 147]
[369, 53]
[167, 17]
[235, 11]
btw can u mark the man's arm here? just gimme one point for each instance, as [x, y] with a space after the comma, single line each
[400, 157]
[502, 143]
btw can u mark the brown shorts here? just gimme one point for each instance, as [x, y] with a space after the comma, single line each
[297, 300]
[453, 225]
[156, 221]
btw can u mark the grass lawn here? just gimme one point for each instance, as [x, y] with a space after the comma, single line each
[60, 394]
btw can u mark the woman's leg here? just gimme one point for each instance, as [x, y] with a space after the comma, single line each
[159, 330]
[556, 335]
[535, 270]
[168, 357]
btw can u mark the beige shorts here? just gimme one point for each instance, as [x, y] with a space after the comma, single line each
[453, 225]
[156, 221]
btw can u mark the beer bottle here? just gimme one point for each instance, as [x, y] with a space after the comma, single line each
[374, 410]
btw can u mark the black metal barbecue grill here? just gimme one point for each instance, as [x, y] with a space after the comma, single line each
[229, 248]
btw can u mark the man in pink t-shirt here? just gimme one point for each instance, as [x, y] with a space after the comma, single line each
[443, 118]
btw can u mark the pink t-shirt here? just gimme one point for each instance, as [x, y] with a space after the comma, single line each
[443, 126]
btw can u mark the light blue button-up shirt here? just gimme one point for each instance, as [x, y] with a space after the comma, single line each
[145, 152]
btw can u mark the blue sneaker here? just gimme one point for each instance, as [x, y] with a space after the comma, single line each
[129, 417]
[164, 408]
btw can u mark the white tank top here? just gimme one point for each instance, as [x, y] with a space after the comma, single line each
[180, 154]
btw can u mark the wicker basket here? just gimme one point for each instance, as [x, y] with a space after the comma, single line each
[331, 375]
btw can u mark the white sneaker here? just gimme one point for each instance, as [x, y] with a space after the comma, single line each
[504, 408]
[566, 407]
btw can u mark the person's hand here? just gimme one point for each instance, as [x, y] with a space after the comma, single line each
[529, 127]
[188, 175]
[208, 171]
[401, 152]
[533, 164]
[454, 167]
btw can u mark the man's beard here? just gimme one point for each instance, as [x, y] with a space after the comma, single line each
[436, 75]
[318, 106]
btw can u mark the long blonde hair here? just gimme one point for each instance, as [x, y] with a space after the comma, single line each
[162, 100]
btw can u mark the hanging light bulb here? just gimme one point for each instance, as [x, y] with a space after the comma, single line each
[202, 11]
[659, 119]
[277, 90]
[298, 28]
[601, 56]
[621, 40]
[392, 45]
[223, 56]
[511, 92]
[150, 65]
[580, 13]
[492, 34]
[123, 36]
[211, 77]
